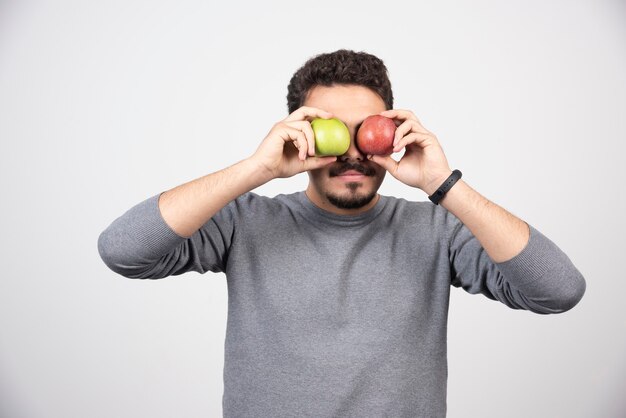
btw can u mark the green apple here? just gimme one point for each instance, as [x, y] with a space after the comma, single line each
[331, 137]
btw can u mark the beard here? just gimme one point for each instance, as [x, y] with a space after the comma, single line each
[352, 199]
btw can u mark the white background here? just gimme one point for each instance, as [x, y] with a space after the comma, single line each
[103, 104]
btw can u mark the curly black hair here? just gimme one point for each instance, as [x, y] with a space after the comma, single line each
[343, 66]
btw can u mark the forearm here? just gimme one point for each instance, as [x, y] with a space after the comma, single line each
[532, 272]
[501, 234]
[187, 207]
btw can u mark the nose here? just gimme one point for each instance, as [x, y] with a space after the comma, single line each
[353, 153]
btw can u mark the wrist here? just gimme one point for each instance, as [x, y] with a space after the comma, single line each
[432, 186]
[442, 190]
[260, 171]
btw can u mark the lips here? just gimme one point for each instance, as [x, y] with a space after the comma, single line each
[351, 173]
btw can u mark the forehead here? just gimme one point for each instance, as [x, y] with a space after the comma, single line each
[350, 103]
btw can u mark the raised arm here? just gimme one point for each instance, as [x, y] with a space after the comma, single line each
[189, 227]
[492, 251]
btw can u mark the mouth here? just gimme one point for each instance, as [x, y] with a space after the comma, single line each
[351, 175]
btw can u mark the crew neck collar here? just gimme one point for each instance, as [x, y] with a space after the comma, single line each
[337, 219]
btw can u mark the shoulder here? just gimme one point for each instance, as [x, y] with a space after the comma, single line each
[424, 213]
[252, 199]
[253, 204]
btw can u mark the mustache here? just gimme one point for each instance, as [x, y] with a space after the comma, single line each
[363, 169]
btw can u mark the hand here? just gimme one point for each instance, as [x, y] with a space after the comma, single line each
[289, 147]
[423, 164]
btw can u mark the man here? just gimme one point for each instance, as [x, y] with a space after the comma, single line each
[338, 296]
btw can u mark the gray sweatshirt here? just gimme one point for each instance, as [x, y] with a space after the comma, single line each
[333, 315]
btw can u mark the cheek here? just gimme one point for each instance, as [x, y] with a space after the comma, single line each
[380, 171]
[380, 176]
[318, 175]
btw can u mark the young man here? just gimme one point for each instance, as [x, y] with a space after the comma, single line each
[338, 296]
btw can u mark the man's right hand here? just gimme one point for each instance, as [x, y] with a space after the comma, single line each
[289, 147]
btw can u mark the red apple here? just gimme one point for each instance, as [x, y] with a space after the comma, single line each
[375, 135]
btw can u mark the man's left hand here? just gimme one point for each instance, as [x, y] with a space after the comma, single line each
[423, 164]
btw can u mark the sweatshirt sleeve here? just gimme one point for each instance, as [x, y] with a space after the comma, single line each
[541, 278]
[141, 245]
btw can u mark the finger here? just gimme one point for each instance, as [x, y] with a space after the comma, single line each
[405, 128]
[402, 115]
[390, 113]
[385, 161]
[302, 145]
[393, 115]
[305, 126]
[399, 113]
[401, 131]
[299, 140]
[405, 115]
[418, 138]
[305, 112]
[313, 163]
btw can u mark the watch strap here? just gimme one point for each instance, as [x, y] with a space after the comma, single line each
[447, 185]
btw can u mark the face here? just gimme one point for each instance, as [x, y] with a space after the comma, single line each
[349, 185]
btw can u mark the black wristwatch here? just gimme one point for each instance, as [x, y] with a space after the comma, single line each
[447, 185]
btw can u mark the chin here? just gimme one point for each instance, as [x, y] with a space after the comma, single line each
[350, 201]
[354, 196]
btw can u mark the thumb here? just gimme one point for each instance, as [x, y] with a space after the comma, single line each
[385, 161]
[313, 163]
